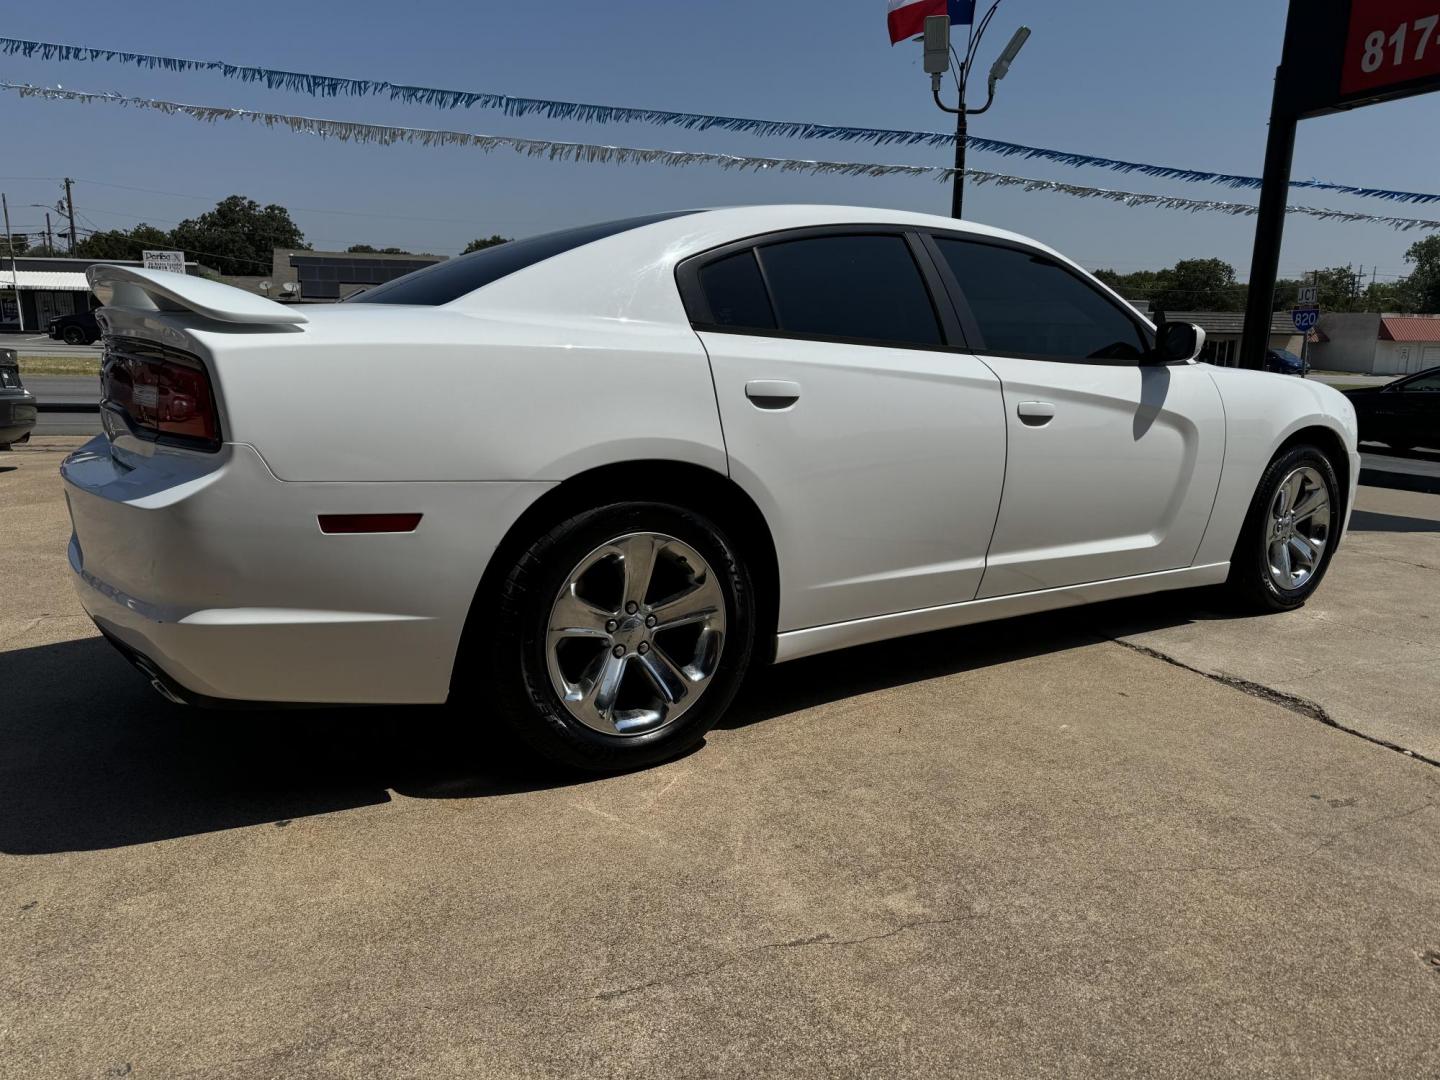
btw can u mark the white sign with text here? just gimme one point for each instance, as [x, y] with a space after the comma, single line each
[173, 261]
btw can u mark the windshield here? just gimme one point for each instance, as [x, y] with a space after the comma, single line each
[452, 279]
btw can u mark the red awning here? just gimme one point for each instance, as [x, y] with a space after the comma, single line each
[1410, 328]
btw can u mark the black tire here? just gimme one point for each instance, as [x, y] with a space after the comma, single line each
[74, 335]
[1250, 583]
[512, 658]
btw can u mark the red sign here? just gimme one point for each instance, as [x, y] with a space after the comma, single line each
[1390, 42]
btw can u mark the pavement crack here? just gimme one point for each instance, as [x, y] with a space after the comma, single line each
[1293, 702]
[823, 939]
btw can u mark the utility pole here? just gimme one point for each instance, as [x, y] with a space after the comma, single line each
[70, 212]
[49, 238]
[937, 62]
[14, 274]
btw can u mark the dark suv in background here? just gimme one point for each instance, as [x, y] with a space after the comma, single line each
[77, 329]
[17, 405]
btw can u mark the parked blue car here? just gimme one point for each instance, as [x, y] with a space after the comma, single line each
[1285, 362]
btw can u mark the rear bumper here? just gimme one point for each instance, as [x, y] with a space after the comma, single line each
[17, 415]
[215, 574]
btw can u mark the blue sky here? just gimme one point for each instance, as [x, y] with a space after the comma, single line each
[1183, 84]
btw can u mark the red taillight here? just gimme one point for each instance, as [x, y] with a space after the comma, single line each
[164, 395]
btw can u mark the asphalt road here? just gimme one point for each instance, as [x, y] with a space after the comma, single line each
[1412, 470]
[1134, 840]
[44, 345]
[68, 404]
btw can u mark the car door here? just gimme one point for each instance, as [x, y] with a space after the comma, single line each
[872, 440]
[1417, 410]
[1113, 463]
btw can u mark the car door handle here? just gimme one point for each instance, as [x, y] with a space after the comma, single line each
[772, 393]
[1035, 413]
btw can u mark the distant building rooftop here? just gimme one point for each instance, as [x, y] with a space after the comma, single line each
[1410, 328]
[1230, 322]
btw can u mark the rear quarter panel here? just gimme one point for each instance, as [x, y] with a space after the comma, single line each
[425, 394]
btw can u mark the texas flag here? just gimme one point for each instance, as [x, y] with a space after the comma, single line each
[907, 17]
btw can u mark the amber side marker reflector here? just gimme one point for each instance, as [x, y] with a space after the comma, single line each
[368, 523]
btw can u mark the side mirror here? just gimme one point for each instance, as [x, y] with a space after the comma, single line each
[1177, 343]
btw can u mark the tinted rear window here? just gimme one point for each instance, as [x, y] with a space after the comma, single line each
[450, 280]
[736, 292]
[864, 288]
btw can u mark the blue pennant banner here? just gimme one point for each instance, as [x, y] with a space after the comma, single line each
[337, 86]
[390, 135]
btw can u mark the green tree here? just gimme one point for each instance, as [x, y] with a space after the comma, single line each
[1189, 285]
[1139, 286]
[1422, 288]
[19, 244]
[239, 236]
[482, 244]
[1199, 285]
[366, 249]
[122, 243]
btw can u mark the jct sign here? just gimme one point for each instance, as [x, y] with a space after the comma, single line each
[1390, 42]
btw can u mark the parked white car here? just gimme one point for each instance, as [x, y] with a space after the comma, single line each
[581, 484]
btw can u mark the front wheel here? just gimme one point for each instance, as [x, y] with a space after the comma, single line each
[1289, 535]
[73, 335]
[620, 636]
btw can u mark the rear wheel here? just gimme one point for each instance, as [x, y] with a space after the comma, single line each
[620, 636]
[1289, 535]
[74, 335]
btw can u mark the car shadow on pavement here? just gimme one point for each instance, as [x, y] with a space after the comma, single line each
[92, 758]
[801, 684]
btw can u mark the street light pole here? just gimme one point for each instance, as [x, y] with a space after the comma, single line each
[962, 135]
[14, 274]
[937, 62]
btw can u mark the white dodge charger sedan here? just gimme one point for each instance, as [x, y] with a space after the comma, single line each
[580, 484]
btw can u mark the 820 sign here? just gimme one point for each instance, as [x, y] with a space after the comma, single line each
[1390, 42]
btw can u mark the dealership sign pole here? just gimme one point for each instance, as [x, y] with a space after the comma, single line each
[1338, 54]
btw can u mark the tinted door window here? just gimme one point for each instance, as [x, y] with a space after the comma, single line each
[1425, 383]
[864, 288]
[736, 292]
[1028, 305]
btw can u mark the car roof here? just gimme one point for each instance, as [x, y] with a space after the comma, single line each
[630, 275]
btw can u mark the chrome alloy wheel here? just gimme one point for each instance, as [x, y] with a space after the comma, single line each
[1297, 528]
[635, 634]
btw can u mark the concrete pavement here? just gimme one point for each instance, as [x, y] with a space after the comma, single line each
[1364, 653]
[1023, 849]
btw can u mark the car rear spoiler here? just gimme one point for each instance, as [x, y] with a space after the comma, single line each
[164, 290]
